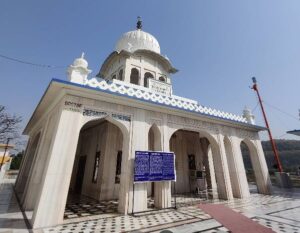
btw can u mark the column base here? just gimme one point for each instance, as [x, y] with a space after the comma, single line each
[283, 179]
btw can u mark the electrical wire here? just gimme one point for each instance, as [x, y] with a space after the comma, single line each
[255, 106]
[278, 109]
[31, 63]
[282, 135]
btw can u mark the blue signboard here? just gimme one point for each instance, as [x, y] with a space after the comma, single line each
[154, 166]
[169, 166]
[141, 166]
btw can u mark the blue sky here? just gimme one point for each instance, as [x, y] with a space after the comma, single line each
[217, 46]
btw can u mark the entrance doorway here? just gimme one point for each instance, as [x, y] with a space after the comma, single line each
[195, 179]
[248, 164]
[95, 181]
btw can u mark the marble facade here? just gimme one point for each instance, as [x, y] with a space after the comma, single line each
[111, 115]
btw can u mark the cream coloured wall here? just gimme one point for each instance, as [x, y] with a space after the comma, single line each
[106, 138]
[61, 152]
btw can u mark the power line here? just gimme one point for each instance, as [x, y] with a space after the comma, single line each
[278, 109]
[255, 107]
[282, 135]
[31, 63]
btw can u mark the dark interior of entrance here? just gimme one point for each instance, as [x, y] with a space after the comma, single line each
[95, 181]
[193, 169]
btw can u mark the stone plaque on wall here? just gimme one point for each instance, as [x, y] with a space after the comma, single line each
[160, 87]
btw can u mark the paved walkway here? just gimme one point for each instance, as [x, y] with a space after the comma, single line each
[11, 217]
[281, 212]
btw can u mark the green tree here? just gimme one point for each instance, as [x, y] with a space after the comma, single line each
[16, 161]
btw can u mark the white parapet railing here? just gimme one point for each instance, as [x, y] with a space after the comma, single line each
[144, 93]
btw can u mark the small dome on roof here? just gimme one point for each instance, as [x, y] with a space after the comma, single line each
[137, 39]
[80, 62]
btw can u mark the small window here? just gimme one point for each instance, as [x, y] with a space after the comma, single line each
[120, 75]
[162, 79]
[118, 167]
[192, 162]
[96, 167]
[147, 76]
[134, 76]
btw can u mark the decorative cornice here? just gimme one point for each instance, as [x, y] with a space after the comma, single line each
[174, 101]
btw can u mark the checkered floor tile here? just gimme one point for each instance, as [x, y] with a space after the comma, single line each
[217, 230]
[81, 206]
[279, 212]
[122, 223]
[278, 227]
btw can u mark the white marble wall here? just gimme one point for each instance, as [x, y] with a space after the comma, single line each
[51, 175]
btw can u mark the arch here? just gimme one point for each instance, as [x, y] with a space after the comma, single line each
[118, 123]
[154, 138]
[249, 154]
[114, 77]
[102, 151]
[135, 76]
[147, 76]
[219, 161]
[120, 77]
[190, 147]
[162, 79]
[259, 166]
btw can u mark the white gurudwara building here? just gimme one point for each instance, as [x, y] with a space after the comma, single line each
[84, 133]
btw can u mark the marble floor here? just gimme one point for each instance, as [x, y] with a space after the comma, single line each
[11, 217]
[79, 206]
[281, 212]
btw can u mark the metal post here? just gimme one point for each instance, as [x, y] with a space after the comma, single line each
[6, 147]
[133, 199]
[175, 194]
[255, 88]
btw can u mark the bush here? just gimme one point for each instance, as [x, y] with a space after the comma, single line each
[16, 161]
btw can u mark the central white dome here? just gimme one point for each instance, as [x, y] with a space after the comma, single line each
[137, 39]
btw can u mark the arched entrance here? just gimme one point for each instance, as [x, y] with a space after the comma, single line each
[251, 179]
[199, 167]
[95, 182]
[255, 166]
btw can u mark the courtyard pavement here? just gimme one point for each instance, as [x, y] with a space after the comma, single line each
[281, 212]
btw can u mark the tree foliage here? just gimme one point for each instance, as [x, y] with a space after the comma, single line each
[289, 154]
[16, 161]
[9, 125]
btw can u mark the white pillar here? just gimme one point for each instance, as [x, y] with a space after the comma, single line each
[260, 168]
[38, 169]
[20, 176]
[29, 190]
[138, 141]
[221, 170]
[212, 173]
[236, 166]
[162, 195]
[52, 196]
[28, 164]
